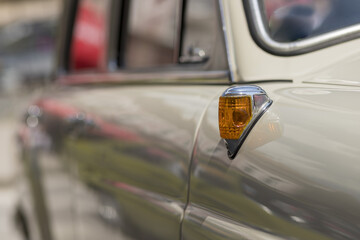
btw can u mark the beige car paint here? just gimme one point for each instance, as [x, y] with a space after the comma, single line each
[254, 64]
[295, 177]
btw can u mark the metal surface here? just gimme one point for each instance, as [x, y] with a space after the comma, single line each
[154, 77]
[295, 177]
[243, 91]
[125, 175]
[142, 158]
[225, 30]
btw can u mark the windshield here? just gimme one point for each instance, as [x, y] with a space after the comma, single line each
[294, 20]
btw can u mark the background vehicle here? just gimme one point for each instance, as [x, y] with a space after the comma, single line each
[26, 53]
[127, 144]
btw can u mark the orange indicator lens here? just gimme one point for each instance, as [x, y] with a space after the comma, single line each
[235, 113]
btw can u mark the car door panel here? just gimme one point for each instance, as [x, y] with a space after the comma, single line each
[131, 158]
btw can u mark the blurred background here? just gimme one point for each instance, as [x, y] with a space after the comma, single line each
[27, 46]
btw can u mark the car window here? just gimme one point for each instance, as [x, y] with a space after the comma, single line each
[294, 20]
[88, 46]
[155, 38]
[151, 33]
[202, 38]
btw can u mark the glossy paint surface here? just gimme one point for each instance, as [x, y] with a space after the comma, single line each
[295, 177]
[123, 157]
[118, 159]
[122, 171]
[144, 161]
[47, 169]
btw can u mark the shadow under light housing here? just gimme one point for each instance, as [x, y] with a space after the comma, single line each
[240, 107]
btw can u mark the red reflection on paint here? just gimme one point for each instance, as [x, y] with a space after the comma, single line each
[103, 128]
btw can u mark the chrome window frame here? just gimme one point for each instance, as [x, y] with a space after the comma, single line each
[147, 78]
[174, 74]
[264, 40]
[231, 64]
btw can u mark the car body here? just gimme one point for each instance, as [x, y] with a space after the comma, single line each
[126, 143]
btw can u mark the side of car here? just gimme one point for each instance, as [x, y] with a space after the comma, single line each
[127, 144]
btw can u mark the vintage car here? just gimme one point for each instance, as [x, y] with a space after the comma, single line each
[198, 119]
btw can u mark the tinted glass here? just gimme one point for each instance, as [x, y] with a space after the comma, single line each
[151, 33]
[88, 47]
[202, 40]
[292, 20]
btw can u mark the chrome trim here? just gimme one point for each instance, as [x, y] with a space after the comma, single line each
[298, 47]
[243, 91]
[233, 146]
[226, 40]
[113, 35]
[208, 77]
[178, 24]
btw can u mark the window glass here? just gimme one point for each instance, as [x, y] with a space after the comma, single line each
[88, 47]
[151, 33]
[202, 40]
[293, 20]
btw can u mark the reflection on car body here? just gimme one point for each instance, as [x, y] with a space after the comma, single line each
[188, 122]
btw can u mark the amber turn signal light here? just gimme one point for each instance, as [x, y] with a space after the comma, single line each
[235, 112]
[239, 109]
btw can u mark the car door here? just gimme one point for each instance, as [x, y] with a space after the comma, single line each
[131, 138]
